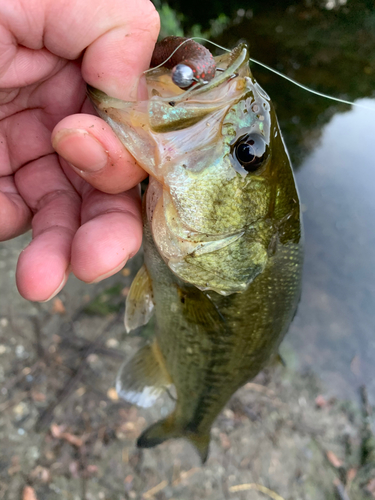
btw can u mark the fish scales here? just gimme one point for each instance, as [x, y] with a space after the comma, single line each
[220, 361]
[223, 243]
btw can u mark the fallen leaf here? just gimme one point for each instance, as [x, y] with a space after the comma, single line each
[29, 493]
[257, 487]
[320, 401]
[57, 430]
[41, 474]
[15, 467]
[92, 469]
[80, 391]
[58, 306]
[350, 475]
[333, 459]
[185, 475]
[225, 442]
[150, 493]
[72, 439]
[74, 469]
[39, 397]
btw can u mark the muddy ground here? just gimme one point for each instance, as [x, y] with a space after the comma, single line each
[65, 435]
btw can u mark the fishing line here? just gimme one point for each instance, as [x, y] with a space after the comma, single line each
[320, 94]
[311, 90]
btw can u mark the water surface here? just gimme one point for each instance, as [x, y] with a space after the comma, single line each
[334, 331]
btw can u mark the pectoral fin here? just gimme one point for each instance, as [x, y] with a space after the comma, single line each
[167, 429]
[139, 303]
[144, 378]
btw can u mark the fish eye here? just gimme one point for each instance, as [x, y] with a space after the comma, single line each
[251, 151]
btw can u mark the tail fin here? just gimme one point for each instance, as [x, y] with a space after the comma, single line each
[167, 429]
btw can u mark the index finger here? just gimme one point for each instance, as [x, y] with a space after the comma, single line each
[119, 37]
[116, 60]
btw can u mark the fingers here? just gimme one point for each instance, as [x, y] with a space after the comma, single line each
[125, 34]
[15, 216]
[43, 267]
[111, 233]
[96, 154]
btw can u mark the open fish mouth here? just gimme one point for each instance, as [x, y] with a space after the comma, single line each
[170, 109]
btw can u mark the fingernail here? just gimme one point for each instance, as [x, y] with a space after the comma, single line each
[110, 273]
[80, 149]
[59, 288]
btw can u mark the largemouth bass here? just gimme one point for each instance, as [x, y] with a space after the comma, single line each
[222, 242]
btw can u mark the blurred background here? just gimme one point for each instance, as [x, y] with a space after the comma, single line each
[296, 432]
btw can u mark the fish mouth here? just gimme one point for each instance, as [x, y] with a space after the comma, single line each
[143, 126]
[160, 85]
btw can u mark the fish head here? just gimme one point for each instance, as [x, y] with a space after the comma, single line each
[221, 184]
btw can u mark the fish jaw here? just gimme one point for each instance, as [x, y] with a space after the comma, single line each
[148, 128]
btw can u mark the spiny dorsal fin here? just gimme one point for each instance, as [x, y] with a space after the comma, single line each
[139, 302]
[144, 378]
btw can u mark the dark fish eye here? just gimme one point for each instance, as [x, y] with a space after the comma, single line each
[251, 151]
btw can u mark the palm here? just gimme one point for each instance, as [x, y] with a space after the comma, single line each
[28, 116]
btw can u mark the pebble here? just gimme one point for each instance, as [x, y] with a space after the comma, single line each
[21, 352]
[20, 410]
[112, 343]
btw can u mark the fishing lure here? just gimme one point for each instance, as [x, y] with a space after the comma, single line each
[190, 62]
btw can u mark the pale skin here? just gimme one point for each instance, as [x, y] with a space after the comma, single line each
[83, 203]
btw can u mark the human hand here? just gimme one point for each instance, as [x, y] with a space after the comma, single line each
[82, 220]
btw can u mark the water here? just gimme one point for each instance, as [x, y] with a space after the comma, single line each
[333, 332]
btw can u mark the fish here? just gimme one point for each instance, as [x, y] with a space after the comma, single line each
[223, 242]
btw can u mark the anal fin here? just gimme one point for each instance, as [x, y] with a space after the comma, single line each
[139, 302]
[144, 378]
